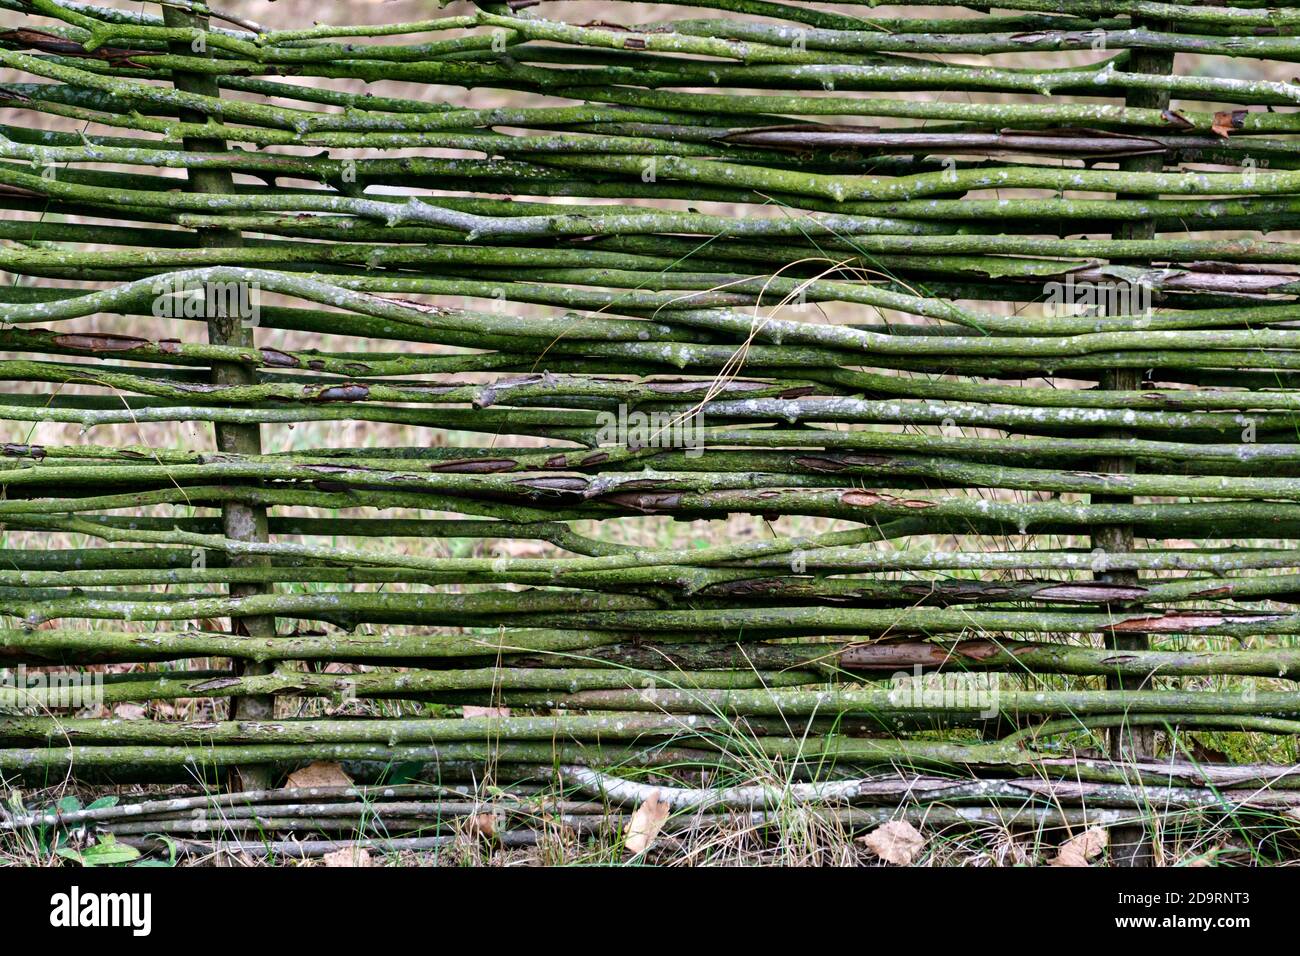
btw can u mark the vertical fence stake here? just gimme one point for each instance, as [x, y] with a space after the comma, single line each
[1130, 845]
[240, 522]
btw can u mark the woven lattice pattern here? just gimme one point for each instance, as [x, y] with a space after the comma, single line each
[848, 393]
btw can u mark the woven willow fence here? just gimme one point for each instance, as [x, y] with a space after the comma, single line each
[668, 395]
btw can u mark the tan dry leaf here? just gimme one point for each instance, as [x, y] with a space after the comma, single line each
[483, 825]
[646, 824]
[348, 856]
[896, 842]
[470, 710]
[1225, 121]
[1077, 851]
[319, 774]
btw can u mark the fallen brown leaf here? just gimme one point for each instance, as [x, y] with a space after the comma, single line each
[1077, 851]
[896, 842]
[1225, 121]
[348, 856]
[319, 774]
[646, 824]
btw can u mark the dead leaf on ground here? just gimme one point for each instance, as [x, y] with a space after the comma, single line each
[469, 710]
[1225, 121]
[896, 842]
[646, 824]
[1077, 851]
[348, 856]
[319, 774]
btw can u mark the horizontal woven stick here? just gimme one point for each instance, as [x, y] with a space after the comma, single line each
[792, 703]
[773, 451]
[909, 790]
[1024, 657]
[868, 751]
[985, 37]
[58, 730]
[219, 801]
[1162, 526]
[710, 587]
[882, 470]
[95, 645]
[601, 610]
[391, 684]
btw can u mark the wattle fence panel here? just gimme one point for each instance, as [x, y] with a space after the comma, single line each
[887, 413]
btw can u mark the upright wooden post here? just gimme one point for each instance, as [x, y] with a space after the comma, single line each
[1130, 845]
[240, 522]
